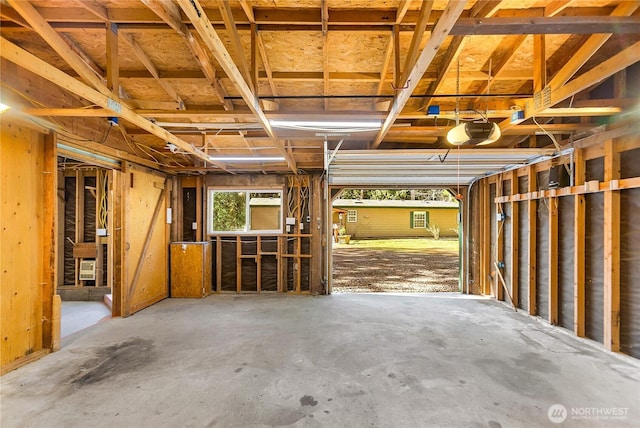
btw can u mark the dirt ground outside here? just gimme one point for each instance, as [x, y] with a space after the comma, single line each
[394, 268]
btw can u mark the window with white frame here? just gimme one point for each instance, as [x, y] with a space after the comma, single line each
[419, 219]
[352, 216]
[244, 211]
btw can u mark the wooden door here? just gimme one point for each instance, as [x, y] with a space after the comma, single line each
[145, 239]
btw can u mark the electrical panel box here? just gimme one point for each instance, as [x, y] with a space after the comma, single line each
[87, 270]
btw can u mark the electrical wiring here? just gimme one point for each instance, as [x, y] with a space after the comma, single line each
[553, 139]
[103, 205]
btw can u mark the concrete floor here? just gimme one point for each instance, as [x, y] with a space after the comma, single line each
[339, 361]
[76, 316]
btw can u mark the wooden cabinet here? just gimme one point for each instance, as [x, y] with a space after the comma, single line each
[190, 269]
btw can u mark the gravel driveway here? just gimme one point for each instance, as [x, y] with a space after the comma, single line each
[357, 270]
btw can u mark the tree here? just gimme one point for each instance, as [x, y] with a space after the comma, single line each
[401, 195]
[229, 211]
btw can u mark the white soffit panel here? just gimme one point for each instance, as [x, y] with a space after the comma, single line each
[425, 167]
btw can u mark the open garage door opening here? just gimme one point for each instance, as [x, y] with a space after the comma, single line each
[400, 241]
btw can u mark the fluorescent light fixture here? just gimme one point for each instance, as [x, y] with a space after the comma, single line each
[246, 159]
[4, 107]
[476, 133]
[326, 124]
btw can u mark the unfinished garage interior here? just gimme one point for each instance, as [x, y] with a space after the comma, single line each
[178, 160]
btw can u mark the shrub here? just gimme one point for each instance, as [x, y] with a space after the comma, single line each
[455, 230]
[435, 230]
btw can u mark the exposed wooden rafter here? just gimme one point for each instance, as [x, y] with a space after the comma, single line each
[416, 39]
[31, 63]
[193, 10]
[440, 32]
[150, 66]
[170, 13]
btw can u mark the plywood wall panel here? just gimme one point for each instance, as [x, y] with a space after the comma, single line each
[21, 242]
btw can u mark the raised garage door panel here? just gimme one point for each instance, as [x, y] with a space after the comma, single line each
[146, 239]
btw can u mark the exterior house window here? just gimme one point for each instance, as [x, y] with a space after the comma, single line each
[237, 211]
[352, 216]
[419, 219]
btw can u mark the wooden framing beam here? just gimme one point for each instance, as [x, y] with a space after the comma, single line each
[113, 58]
[232, 32]
[50, 337]
[94, 7]
[254, 58]
[441, 30]
[30, 62]
[499, 242]
[416, 39]
[588, 48]
[615, 24]
[611, 249]
[396, 56]
[248, 10]
[485, 221]
[267, 65]
[482, 9]
[326, 88]
[170, 14]
[193, 10]
[539, 62]
[579, 248]
[515, 247]
[150, 66]
[553, 260]
[605, 69]
[403, 7]
[51, 36]
[386, 63]
[532, 209]
[498, 69]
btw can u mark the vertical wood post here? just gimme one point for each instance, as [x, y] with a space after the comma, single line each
[499, 239]
[579, 244]
[533, 217]
[515, 233]
[553, 260]
[49, 240]
[611, 250]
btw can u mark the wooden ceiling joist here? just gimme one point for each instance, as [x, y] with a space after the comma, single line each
[35, 65]
[203, 26]
[606, 69]
[232, 31]
[170, 13]
[441, 30]
[416, 39]
[148, 64]
[51, 36]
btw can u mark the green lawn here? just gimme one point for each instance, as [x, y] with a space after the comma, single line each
[415, 244]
